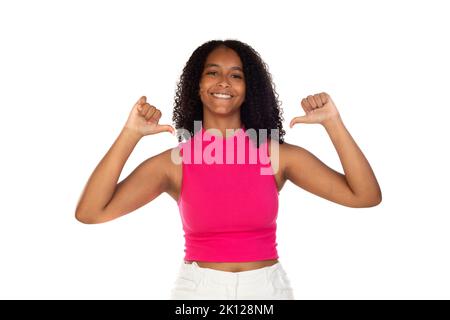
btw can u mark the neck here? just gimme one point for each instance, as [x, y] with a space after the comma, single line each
[223, 125]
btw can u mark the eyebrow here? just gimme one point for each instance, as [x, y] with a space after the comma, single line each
[216, 65]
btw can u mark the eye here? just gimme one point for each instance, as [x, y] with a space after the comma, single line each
[234, 75]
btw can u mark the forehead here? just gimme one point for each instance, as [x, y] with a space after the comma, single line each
[224, 56]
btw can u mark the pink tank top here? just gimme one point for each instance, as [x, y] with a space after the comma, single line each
[229, 209]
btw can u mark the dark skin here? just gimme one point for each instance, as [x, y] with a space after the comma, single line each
[223, 73]
[103, 199]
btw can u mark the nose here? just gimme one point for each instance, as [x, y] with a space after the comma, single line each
[223, 82]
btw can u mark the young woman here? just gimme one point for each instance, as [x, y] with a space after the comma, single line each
[228, 207]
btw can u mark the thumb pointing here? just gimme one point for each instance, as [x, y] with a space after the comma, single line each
[167, 128]
[301, 119]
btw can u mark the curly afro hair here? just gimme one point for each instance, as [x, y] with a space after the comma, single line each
[260, 109]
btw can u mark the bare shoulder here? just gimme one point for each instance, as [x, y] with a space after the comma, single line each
[169, 159]
[164, 163]
[292, 154]
[277, 154]
[288, 149]
[289, 155]
[173, 169]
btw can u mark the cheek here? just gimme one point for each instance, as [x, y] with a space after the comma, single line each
[242, 91]
[203, 86]
[202, 89]
[241, 87]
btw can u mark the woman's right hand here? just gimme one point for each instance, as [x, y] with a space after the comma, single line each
[144, 118]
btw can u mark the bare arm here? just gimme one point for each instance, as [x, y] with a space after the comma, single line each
[358, 173]
[358, 187]
[102, 198]
[102, 182]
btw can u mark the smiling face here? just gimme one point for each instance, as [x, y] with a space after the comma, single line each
[222, 85]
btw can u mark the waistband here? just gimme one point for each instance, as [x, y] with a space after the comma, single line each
[227, 277]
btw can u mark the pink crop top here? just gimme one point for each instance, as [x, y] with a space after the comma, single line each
[229, 209]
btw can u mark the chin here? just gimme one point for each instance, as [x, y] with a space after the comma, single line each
[221, 110]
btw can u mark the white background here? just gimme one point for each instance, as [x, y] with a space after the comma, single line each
[71, 71]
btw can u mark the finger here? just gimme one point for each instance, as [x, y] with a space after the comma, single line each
[143, 108]
[305, 105]
[165, 127]
[324, 97]
[141, 101]
[319, 103]
[308, 105]
[156, 116]
[311, 101]
[301, 119]
[150, 112]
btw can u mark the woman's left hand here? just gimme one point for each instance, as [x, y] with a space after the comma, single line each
[319, 108]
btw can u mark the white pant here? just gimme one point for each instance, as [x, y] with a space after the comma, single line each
[196, 283]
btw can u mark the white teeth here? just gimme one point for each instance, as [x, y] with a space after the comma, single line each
[222, 96]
